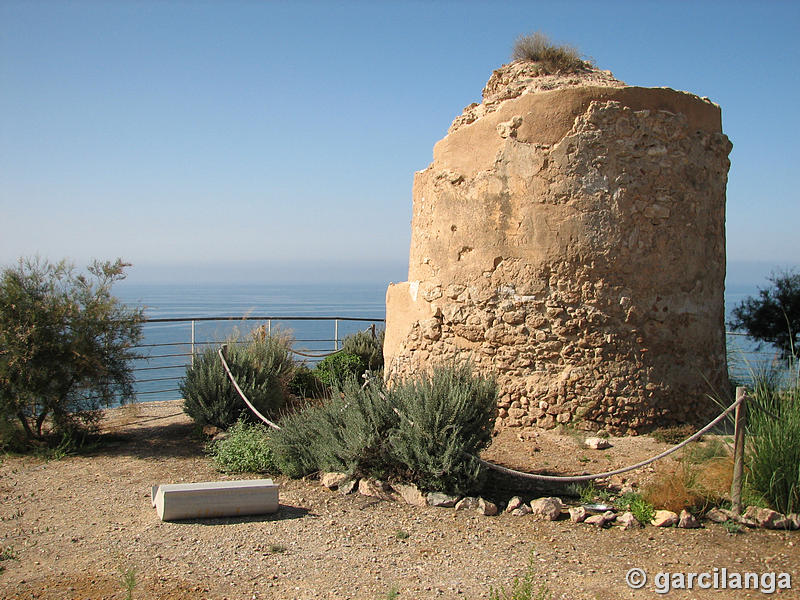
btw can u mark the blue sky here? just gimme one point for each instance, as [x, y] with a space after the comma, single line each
[278, 141]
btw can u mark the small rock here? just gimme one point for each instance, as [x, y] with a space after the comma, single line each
[333, 480]
[348, 486]
[719, 515]
[664, 518]
[441, 499]
[376, 489]
[577, 514]
[468, 503]
[687, 520]
[486, 508]
[783, 524]
[597, 443]
[628, 521]
[514, 504]
[411, 494]
[599, 520]
[548, 508]
[763, 517]
[521, 511]
[794, 518]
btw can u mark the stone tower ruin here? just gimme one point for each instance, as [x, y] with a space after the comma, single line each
[569, 238]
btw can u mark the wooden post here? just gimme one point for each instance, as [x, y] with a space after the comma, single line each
[738, 451]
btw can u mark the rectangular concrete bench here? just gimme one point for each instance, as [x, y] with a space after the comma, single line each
[215, 499]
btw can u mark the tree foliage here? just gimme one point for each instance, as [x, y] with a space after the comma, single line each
[774, 316]
[65, 343]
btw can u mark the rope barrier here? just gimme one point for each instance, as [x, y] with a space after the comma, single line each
[299, 353]
[241, 393]
[514, 472]
[639, 465]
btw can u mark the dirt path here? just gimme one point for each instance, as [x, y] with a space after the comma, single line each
[76, 523]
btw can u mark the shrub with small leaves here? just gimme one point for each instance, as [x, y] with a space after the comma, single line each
[421, 430]
[245, 449]
[339, 367]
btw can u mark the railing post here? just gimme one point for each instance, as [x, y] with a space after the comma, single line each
[738, 451]
[336, 334]
[192, 342]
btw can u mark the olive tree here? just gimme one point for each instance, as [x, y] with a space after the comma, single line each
[66, 343]
[774, 316]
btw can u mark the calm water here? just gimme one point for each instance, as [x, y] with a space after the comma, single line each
[168, 347]
[168, 344]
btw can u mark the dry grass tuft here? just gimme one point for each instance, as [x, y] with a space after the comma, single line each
[700, 481]
[553, 58]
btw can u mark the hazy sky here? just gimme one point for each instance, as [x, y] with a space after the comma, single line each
[257, 140]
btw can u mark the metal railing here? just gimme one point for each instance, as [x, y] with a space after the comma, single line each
[168, 350]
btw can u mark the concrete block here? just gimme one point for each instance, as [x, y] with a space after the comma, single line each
[215, 499]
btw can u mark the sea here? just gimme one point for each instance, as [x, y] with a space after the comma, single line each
[184, 319]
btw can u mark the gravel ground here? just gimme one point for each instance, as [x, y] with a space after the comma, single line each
[76, 524]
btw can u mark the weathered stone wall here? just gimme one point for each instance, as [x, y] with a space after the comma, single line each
[572, 243]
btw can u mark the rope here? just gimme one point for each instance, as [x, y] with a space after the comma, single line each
[307, 355]
[644, 463]
[513, 472]
[238, 389]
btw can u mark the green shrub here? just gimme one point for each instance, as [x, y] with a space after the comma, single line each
[67, 343]
[417, 430]
[306, 384]
[262, 366]
[553, 58]
[336, 368]
[638, 507]
[773, 440]
[245, 449]
[348, 433]
[366, 346]
[445, 416]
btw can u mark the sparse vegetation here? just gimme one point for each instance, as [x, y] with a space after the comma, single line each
[128, 580]
[245, 449]
[67, 346]
[402, 534]
[553, 58]
[522, 588]
[638, 507]
[732, 527]
[276, 549]
[263, 368]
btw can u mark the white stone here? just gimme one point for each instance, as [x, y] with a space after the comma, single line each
[549, 508]
[597, 443]
[664, 518]
[441, 499]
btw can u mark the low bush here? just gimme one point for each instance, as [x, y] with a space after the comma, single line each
[553, 58]
[773, 438]
[245, 449]
[367, 347]
[336, 368]
[522, 588]
[420, 430]
[262, 366]
[305, 383]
